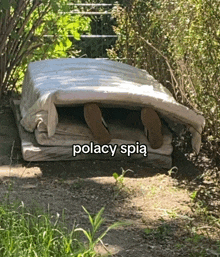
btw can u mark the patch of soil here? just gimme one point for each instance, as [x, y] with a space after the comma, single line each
[155, 204]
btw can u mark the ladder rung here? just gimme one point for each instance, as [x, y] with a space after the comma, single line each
[87, 13]
[90, 4]
[97, 36]
[88, 36]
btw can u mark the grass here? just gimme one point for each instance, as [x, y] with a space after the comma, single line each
[119, 182]
[96, 222]
[119, 179]
[24, 233]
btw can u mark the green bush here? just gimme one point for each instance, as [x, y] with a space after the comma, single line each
[134, 26]
[178, 42]
[24, 25]
[193, 29]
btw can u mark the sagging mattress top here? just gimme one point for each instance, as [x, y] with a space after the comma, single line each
[74, 81]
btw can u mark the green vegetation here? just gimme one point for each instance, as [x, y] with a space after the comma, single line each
[35, 30]
[178, 43]
[119, 186]
[96, 222]
[119, 179]
[173, 171]
[31, 233]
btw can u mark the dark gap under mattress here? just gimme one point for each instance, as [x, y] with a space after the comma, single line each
[127, 117]
[124, 125]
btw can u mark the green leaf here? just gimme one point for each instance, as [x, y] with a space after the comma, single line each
[76, 35]
[115, 175]
[68, 43]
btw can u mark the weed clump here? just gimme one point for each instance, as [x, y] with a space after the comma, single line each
[32, 233]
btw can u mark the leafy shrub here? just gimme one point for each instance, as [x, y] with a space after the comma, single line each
[23, 26]
[178, 42]
[134, 26]
[194, 46]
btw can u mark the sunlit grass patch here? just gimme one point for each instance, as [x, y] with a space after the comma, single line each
[32, 233]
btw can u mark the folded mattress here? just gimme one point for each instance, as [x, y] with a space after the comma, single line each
[54, 83]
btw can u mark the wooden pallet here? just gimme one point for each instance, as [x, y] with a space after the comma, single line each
[32, 151]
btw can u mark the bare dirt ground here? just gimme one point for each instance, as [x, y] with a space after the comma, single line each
[162, 218]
